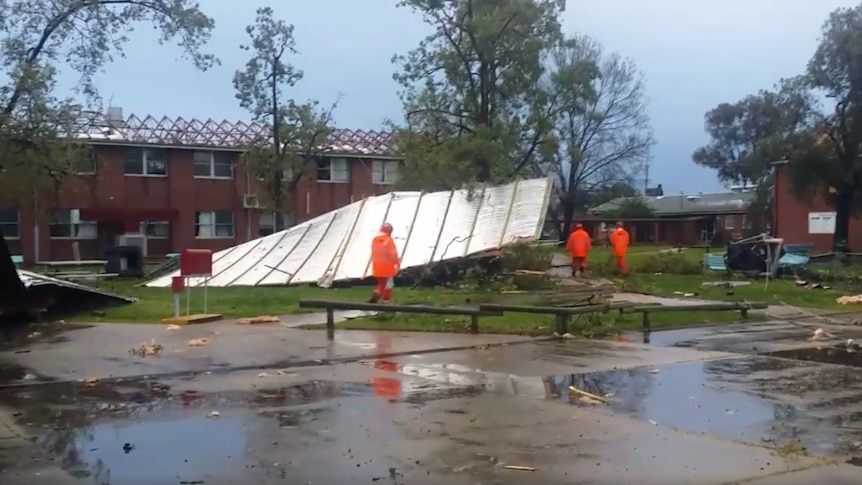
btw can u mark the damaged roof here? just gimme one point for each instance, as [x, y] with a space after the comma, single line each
[428, 227]
[669, 205]
[209, 133]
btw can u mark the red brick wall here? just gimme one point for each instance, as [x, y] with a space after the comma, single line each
[180, 190]
[790, 217]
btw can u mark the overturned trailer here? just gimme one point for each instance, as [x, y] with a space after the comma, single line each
[428, 228]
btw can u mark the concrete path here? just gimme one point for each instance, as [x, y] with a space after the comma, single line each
[712, 405]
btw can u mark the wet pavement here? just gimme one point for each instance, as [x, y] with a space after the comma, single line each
[269, 404]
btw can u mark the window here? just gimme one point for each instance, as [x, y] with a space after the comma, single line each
[271, 222]
[66, 224]
[146, 161]
[87, 163]
[728, 222]
[334, 170]
[156, 229]
[214, 225]
[9, 224]
[214, 164]
[384, 172]
[746, 221]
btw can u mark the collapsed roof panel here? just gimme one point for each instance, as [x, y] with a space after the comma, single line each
[427, 228]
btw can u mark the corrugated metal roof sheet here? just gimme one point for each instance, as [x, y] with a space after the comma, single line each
[428, 227]
[688, 204]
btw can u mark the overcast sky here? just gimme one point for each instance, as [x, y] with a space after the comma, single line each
[694, 55]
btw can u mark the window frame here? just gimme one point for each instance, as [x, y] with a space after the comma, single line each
[379, 167]
[213, 161]
[274, 224]
[214, 225]
[17, 224]
[143, 153]
[145, 225]
[89, 158]
[74, 227]
[327, 165]
[729, 223]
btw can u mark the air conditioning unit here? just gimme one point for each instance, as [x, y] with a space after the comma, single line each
[138, 240]
[249, 201]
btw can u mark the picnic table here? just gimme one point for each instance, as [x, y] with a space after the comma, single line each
[91, 270]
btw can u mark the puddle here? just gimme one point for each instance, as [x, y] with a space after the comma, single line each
[823, 355]
[15, 374]
[753, 399]
[316, 430]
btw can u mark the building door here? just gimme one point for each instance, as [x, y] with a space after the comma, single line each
[706, 229]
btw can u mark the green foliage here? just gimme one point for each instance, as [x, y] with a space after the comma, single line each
[822, 143]
[298, 131]
[473, 91]
[747, 136]
[667, 263]
[42, 37]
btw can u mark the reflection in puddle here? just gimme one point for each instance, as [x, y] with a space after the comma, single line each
[167, 451]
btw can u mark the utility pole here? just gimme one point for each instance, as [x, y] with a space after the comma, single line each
[646, 178]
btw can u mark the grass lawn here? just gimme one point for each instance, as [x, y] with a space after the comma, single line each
[777, 291]
[157, 303]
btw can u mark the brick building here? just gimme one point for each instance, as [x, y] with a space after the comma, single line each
[685, 220]
[169, 184]
[803, 222]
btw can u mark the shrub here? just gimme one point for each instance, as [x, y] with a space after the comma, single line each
[526, 257]
[668, 263]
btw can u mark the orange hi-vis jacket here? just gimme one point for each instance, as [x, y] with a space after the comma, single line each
[384, 256]
[620, 241]
[579, 243]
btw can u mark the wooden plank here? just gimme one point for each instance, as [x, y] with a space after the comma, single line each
[354, 305]
[191, 319]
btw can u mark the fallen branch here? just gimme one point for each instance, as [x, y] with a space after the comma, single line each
[587, 394]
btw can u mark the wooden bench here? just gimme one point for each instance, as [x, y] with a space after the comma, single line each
[741, 307]
[563, 314]
[331, 305]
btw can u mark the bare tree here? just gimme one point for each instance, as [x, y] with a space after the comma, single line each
[604, 131]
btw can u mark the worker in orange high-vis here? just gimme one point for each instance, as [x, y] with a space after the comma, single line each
[579, 245]
[620, 242]
[384, 264]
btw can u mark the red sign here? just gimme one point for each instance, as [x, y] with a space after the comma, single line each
[196, 262]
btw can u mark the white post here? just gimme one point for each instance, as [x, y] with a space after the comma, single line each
[206, 287]
[176, 305]
[188, 295]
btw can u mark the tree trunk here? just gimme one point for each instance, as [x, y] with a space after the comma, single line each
[842, 205]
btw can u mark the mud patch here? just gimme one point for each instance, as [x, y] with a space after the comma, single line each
[823, 355]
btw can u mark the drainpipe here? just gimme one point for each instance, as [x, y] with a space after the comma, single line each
[36, 257]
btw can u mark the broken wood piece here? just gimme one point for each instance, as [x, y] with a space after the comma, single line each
[198, 342]
[519, 468]
[587, 394]
[258, 319]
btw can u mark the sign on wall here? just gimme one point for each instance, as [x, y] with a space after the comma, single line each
[821, 223]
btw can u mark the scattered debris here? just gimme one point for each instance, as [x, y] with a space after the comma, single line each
[263, 374]
[575, 390]
[728, 284]
[258, 320]
[213, 414]
[198, 342]
[687, 295]
[34, 335]
[653, 371]
[849, 300]
[653, 422]
[519, 468]
[128, 447]
[589, 400]
[819, 334]
[147, 349]
[173, 327]
[90, 382]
